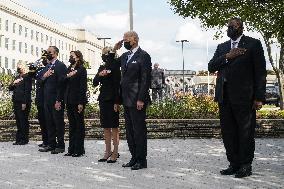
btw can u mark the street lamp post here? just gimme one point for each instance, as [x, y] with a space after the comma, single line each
[103, 38]
[131, 15]
[182, 41]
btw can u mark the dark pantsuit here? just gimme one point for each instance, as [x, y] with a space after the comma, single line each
[157, 94]
[42, 123]
[136, 132]
[55, 126]
[22, 122]
[238, 129]
[76, 130]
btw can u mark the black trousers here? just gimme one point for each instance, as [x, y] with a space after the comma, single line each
[76, 130]
[238, 123]
[136, 132]
[22, 121]
[55, 126]
[42, 123]
[157, 94]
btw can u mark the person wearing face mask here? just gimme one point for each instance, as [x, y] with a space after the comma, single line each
[240, 91]
[39, 101]
[22, 87]
[108, 77]
[53, 79]
[135, 82]
[76, 100]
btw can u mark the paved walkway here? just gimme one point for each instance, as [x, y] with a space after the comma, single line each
[173, 164]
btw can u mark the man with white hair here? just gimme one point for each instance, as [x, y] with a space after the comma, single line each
[135, 84]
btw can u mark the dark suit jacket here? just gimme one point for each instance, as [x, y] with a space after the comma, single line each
[76, 87]
[39, 101]
[54, 85]
[22, 90]
[245, 75]
[136, 78]
[110, 84]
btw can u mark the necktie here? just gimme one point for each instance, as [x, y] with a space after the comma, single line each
[129, 55]
[234, 44]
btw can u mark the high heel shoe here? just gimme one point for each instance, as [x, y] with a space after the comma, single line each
[113, 160]
[104, 159]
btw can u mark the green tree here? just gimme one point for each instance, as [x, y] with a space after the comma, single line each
[263, 16]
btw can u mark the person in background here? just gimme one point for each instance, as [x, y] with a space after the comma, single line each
[76, 100]
[108, 77]
[21, 87]
[157, 82]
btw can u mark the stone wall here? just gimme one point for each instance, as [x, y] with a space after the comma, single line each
[157, 128]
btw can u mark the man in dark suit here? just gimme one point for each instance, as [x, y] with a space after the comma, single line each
[240, 91]
[39, 101]
[55, 73]
[135, 83]
[22, 87]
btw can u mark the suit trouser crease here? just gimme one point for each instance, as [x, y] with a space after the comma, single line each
[22, 122]
[55, 126]
[136, 132]
[42, 123]
[238, 128]
[76, 129]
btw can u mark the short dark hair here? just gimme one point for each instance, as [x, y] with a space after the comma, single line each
[55, 48]
[239, 20]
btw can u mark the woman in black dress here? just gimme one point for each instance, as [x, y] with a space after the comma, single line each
[76, 99]
[108, 77]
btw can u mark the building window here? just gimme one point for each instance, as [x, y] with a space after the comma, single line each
[6, 62]
[1, 40]
[14, 45]
[7, 43]
[7, 25]
[20, 47]
[13, 64]
[46, 39]
[0, 61]
[14, 27]
[37, 36]
[26, 32]
[41, 37]
[26, 48]
[32, 49]
[0, 23]
[20, 29]
[50, 41]
[36, 51]
[32, 34]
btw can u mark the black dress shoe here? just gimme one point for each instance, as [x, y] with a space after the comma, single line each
[68, 154]
[130, 163]
[46, 149]
[229, 171]
[77, 155]
[16, 143]
[244, 171]
[58, 150]
[139, 165]
[104, 159]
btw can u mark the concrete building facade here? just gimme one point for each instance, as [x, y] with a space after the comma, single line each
[25, 33]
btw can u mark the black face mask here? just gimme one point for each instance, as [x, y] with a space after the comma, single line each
[19, 70]
[72, 60]
[108, 58]
[233, 33]
[49, 57]
[44, 62]
[127, 45]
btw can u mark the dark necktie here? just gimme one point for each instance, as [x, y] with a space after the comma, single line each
[234, 44]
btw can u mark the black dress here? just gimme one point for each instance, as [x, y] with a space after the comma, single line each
[109, 94]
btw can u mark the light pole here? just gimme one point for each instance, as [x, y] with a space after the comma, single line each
[103, 38]
[131, 14]
[182, 41]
